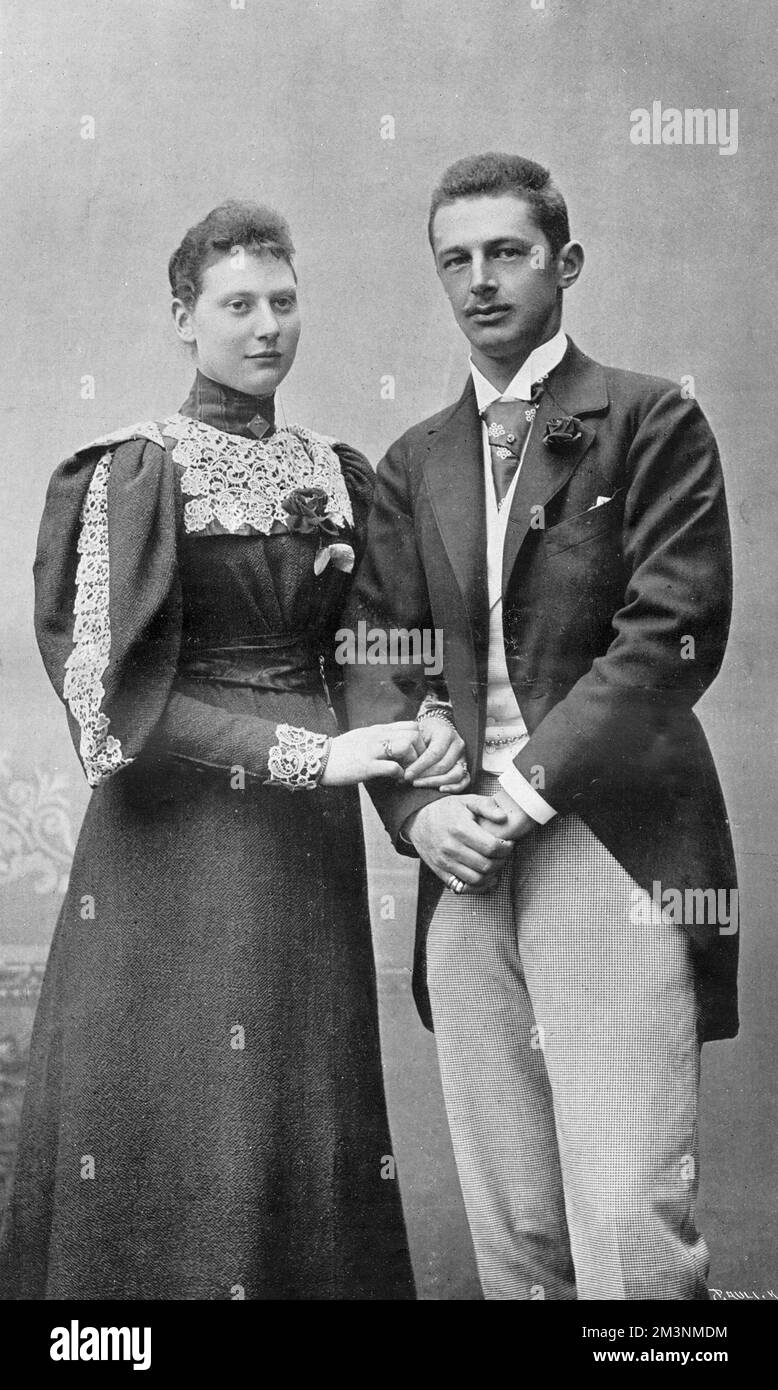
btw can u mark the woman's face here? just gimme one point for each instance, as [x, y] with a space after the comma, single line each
[246, 322]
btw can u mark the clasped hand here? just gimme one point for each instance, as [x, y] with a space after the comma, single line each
[469, 837]
[427, 754]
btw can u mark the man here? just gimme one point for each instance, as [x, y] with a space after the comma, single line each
[565, 525]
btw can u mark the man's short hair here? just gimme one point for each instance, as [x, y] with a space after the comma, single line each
[490, 175]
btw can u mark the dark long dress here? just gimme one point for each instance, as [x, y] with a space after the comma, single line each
[204, 1116]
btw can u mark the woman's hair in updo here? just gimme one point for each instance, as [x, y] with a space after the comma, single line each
[235, 223]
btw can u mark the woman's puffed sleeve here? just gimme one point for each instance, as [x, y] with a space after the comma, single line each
[107, 598]
[108, 623]
[359, 478]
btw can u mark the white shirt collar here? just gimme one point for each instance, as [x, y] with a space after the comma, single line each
[540, 362]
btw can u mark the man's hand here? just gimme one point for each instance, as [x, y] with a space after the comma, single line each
[461, 835]
[517, 823]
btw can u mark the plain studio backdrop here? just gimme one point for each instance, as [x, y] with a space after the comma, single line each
[124, 123]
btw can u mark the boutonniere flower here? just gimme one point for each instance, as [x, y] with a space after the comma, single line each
[307, 514]
[562, 433]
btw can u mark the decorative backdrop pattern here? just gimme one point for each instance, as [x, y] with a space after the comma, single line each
[37, 838]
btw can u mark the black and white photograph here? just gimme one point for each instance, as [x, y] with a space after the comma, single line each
[388, 828]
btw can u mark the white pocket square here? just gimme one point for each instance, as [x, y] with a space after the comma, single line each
[600, 501]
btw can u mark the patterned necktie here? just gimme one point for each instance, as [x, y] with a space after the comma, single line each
[509, 423]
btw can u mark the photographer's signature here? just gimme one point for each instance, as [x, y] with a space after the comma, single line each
[741, 1294]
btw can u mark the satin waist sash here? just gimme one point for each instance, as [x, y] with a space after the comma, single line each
[283, 662]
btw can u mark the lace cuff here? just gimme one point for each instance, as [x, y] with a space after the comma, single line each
[298, 760]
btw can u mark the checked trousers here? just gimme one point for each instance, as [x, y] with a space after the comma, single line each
[565, 1020]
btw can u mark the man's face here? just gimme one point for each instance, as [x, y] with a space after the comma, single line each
[246, 322]
[500, 276]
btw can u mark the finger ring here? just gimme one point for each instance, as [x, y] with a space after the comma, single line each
[387, 747]
[455, 885]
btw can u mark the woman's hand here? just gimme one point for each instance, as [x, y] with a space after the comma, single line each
[441, 764]
[379, 750]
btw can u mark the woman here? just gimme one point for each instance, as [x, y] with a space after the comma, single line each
[205, 1114]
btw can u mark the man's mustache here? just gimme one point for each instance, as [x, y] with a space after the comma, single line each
[485, 308]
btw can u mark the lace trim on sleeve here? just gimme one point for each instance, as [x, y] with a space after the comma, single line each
[297, 760]
[101, 753]
[146, 429]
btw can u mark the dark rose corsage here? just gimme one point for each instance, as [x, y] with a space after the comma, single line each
[562, 433]
[306, 510]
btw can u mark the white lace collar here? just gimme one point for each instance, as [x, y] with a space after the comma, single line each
[238, 485]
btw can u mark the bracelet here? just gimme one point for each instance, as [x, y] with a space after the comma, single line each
[324, 760]
[298, 759]
[440, 712]
[430, 702]
[430, 708]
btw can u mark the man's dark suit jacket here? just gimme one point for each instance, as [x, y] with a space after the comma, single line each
[599, 604]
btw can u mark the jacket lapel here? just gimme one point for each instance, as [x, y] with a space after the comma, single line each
[455, 481]
[576, 387]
